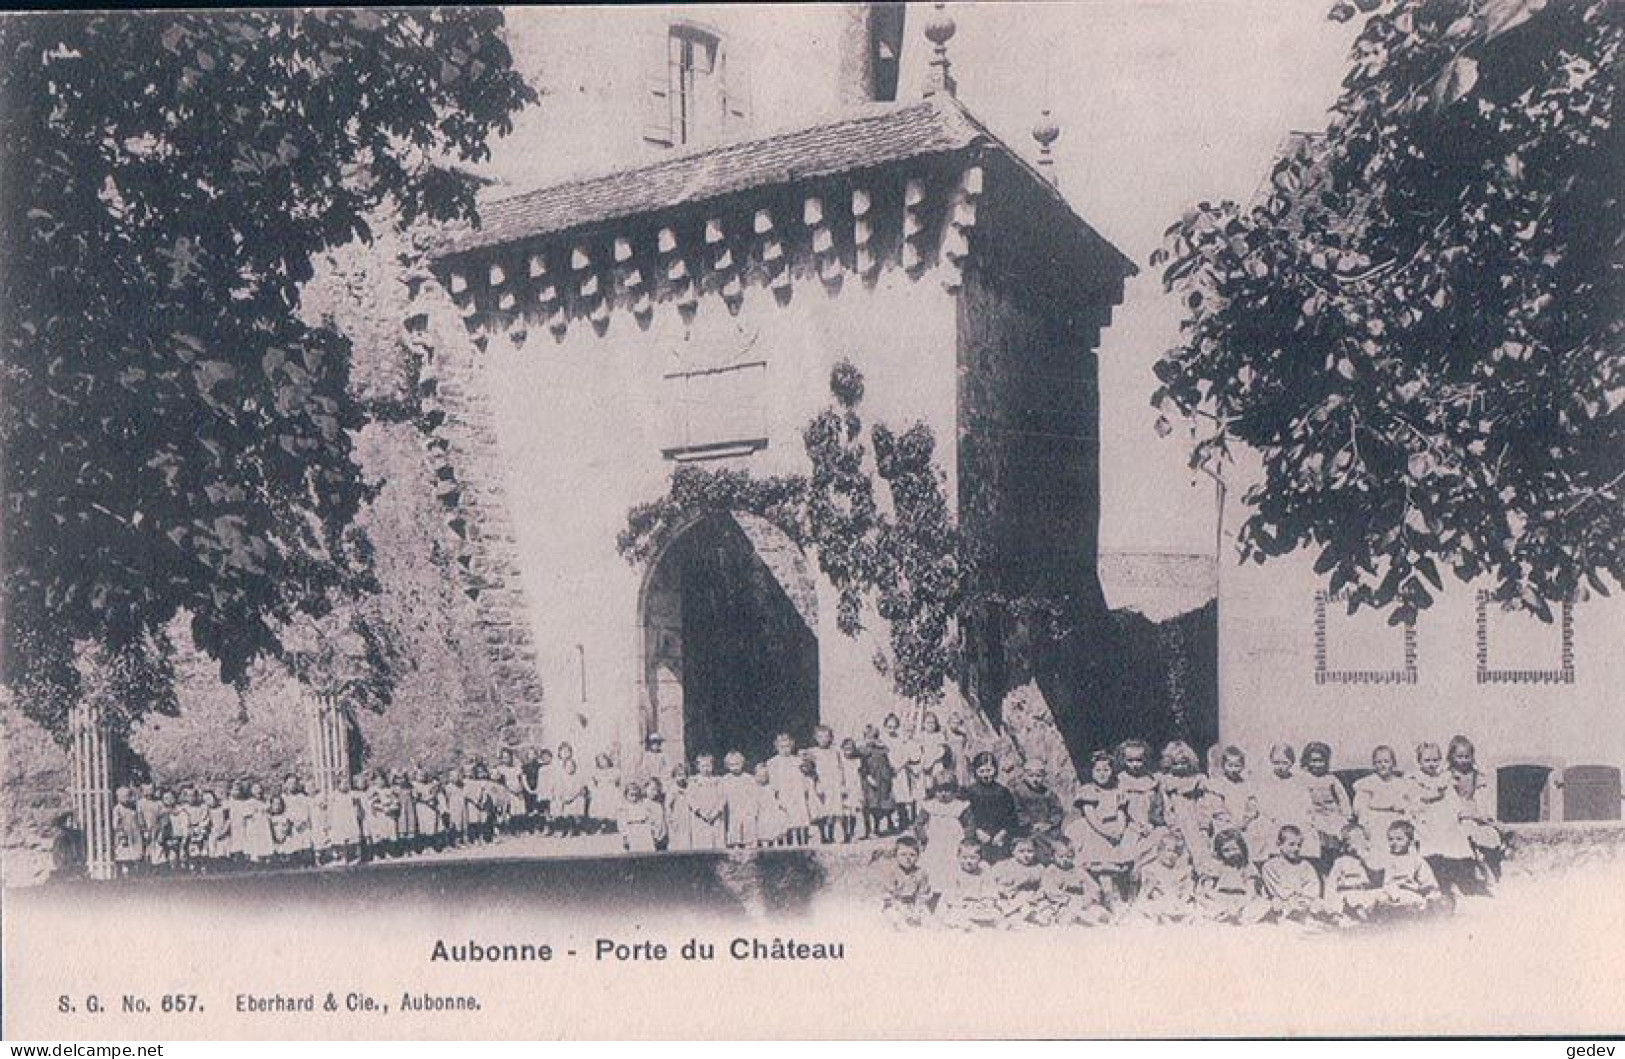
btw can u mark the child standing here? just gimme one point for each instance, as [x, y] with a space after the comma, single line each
[904, 755]
[792, 790]
[1438, 826]
[259, 844]
[1234, 802]
[428, 819]
[1330, 810]
[771, 820]
[1142, 797]
[569, 792]
[344, 811]
[220, 833]
[199, 823]
[829, 783]
[1184, 794]
[852, 791]
[637, 824]
[406, 813]
[603, 792]
[942, 829]
[1100, 835]
[1284, 799]
[936, 757]
[679, 817]
[878, 777]
[1380, 798]
[129, 833]
[739, 800]
[707, 806]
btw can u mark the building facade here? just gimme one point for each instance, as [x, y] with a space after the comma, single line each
[686, 308]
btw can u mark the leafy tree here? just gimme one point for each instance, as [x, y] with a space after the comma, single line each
[177, 438]
[1418, 325]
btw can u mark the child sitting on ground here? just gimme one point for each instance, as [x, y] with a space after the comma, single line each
[1351, 888]
[1069, 895]
[1290, 882]
[909, 896]
[1020, 880]
[1167, 885]
[1232, 893]
[970, 896]
[1408, 884]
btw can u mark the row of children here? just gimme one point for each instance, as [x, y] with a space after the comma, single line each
[1169, 887]
[824, 793]
[368, 816]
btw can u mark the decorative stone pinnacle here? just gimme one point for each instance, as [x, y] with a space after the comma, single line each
[1046, 132]
[939, 30]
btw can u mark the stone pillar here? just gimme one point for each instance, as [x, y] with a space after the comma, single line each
[90, 778]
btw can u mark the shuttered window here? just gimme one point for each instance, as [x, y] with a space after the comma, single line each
[693, 89]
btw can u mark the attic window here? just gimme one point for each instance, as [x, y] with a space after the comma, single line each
[694, 87]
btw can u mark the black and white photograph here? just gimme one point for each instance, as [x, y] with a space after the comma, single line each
[1093, 519]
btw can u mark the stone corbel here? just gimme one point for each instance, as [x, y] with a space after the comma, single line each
[913, 224]
[825, 258]
[634, 285]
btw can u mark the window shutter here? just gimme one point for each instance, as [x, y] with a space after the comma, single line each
[655, 64]
[737, 89]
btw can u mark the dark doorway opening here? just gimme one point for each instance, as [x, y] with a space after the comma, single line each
[749, 654]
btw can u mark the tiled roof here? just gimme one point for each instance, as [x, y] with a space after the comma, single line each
[1159, 585]
[870, 136]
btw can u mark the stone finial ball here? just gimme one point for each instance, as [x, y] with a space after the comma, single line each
[939, 28]
[1045, 131]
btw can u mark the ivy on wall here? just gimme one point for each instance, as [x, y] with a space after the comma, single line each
[896, 550]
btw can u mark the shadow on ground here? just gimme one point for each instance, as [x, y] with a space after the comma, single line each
[776, 882]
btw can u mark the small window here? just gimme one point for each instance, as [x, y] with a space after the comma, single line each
[694, 89]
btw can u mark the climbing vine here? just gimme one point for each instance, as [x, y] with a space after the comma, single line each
[900, 553]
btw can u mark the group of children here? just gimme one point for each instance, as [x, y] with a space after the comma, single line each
[1173, 844]
[825, 793]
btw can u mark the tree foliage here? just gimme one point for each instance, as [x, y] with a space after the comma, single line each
[176, 436]
[1418, 324]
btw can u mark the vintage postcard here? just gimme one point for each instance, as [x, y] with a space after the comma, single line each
[846, 520]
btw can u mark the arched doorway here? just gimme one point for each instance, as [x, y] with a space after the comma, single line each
[730, 648]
